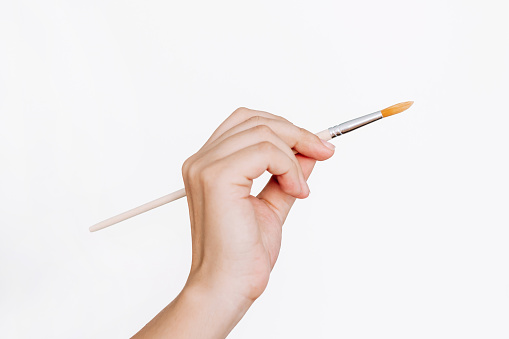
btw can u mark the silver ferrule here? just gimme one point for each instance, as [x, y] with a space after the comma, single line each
[354, 124]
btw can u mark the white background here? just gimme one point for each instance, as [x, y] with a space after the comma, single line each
[405, 233]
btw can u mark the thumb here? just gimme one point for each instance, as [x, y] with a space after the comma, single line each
[274, 195]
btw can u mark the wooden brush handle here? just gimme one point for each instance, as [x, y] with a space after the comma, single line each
[138, 210]
[324, 135]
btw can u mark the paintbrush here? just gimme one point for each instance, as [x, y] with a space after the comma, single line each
[327, 134]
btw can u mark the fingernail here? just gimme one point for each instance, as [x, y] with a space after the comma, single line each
[328, 145]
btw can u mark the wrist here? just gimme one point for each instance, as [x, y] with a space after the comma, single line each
[215, 288]
[219, 308]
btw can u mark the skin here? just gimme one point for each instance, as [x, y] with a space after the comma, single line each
[236, 237]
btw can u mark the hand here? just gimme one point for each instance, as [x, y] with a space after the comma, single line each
[236, 237]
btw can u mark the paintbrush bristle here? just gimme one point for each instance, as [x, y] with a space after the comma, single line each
[395, 109]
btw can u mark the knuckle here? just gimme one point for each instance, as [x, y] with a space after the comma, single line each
[186, 165]
[191, 168]
[281, 118]
[241, 111]
[255, 120]
[263, 130]
[200, 172]
[303, 132]
[266, 146]
[192, 174]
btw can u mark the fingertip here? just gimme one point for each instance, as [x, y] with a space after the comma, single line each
[290, 186]
[320, 149]
[329, 145]
[304, 195]
[324, 150]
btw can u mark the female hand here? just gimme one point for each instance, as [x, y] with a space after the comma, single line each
[236, 237]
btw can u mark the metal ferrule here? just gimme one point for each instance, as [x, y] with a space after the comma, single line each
[354, 124]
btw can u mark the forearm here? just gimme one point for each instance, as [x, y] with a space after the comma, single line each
[199, 311]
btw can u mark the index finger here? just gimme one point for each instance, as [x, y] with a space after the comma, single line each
[240, 115]
[297, 138]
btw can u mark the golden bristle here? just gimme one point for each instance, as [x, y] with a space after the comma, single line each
[395, 109]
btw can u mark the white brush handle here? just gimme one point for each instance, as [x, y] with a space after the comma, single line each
[138, 210]
[324, 135]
